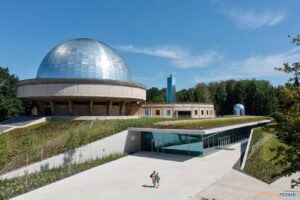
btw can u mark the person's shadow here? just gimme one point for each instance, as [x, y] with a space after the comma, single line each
[147, 186]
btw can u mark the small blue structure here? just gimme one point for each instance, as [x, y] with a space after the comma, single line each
[239, 110]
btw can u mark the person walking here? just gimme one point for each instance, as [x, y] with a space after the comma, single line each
[153, 177]
[157, 179]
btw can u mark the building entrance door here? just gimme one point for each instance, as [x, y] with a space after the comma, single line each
[157, 145]
[184, 114]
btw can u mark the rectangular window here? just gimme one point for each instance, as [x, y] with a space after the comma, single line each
[206, 112]
[202, 112]
[157, 112]
[168, 112]
[196, 112]
[146, 112]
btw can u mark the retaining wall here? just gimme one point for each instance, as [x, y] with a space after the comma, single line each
[125, 141]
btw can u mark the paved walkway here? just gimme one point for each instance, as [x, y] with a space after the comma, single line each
[182, 177]
[19, 122]
[236, 186]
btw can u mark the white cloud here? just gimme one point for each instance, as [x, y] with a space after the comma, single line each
[264, 65]
[162, 51]
[179, 57]
[200, 60]
[257, 66]
[250, 19]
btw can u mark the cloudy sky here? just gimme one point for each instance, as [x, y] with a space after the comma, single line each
[197, 41]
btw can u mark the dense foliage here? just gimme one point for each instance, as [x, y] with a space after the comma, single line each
[155, 95]
[16, 186]
[258, 96]
[10, 106]
[288, 118]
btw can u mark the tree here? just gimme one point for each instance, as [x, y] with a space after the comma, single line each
[230, 100]
[154, 95]
[288, 119]
[10, 106]
[202, 94]
[219, 95]
[182, 96]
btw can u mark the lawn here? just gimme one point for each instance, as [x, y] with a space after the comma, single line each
[257, 135]
[263, 163]
[54, 137]
[207, 123]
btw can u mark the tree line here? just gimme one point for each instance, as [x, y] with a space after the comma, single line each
[258, 96]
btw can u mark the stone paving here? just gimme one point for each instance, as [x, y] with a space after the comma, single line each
[236, 186]
[182, 177]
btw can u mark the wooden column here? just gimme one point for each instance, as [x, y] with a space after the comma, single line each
[122, 107]
[109, 105]
[70, 104]
[91, 106]
[52, 104]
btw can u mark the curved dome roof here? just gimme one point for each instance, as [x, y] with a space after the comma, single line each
[83, 58]
[239, 106]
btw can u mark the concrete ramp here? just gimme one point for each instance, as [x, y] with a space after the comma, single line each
[236, 186]
[20, 122]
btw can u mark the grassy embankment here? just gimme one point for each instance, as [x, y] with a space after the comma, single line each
[263, 163]
[54, 137]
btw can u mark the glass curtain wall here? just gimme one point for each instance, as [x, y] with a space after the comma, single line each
[174, 143]
[216, 141]
[192, 145]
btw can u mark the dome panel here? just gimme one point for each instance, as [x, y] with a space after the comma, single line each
[239, 109]
[83, 58]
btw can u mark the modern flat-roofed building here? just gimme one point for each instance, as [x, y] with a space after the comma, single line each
[178, 110]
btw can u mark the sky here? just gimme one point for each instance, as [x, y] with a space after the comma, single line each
[195, 40]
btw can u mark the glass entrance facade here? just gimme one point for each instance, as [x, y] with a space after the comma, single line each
[220, 140]
[192, 144]
[174, 143]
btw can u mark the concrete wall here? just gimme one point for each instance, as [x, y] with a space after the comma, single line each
[80, 90]
[96, 109]
[125, 141]
[99, 110]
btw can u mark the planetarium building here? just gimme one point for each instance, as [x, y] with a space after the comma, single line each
[83, 77]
